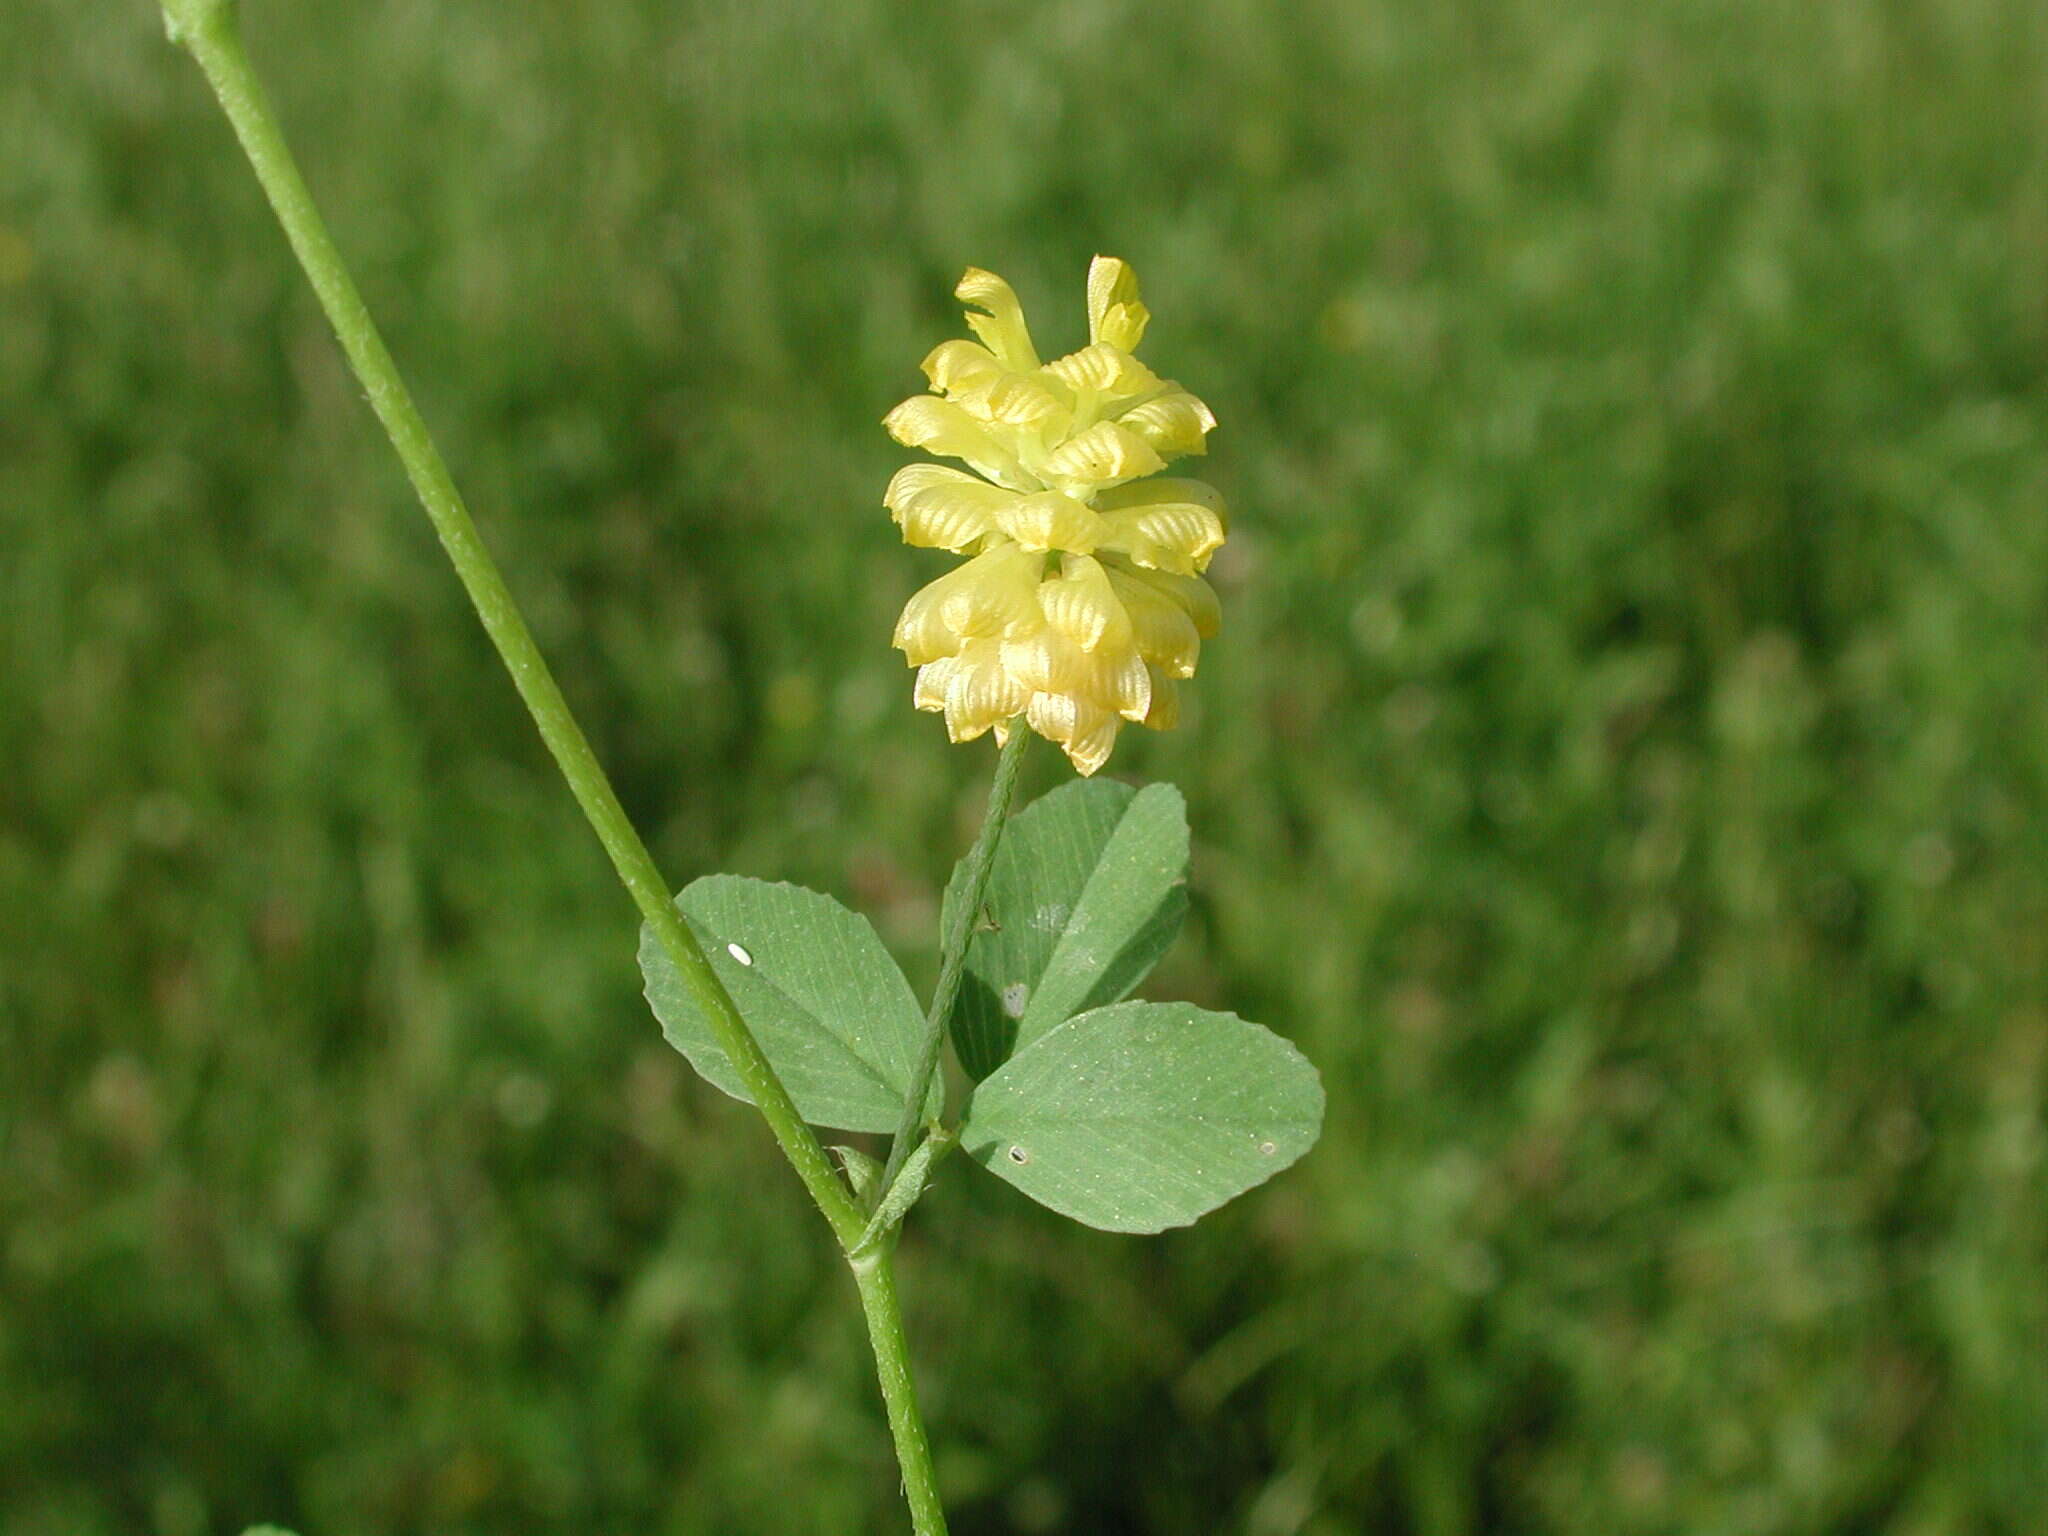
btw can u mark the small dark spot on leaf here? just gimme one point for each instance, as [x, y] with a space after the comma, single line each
[1019, 1155]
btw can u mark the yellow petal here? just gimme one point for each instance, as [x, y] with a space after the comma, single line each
[1165, 488]
[921, 632]
[1047, 662]
[1173, 423]
[993, 593]
[1049, 520]
[1175, 536]
[933, 678]
[1164, 714]
[1102, 455]
[1105, 369]
[980, 693]
[971, 377]
[914, 478]
[1089, 749]
[1193, 594]
[1084, 734]
[1002, 327]
[989, 595]
[1161, 628]
[1088, 735]
[1127, 685]
[1081, 604]
[942, 508]
[1115, 314]
[1052, 715]
[1017, 400]
[958, 367]
[1155, 544]
[942, 427]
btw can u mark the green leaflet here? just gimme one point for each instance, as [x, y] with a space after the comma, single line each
[1142, 1116]
[1088, 890]
[833, 1014]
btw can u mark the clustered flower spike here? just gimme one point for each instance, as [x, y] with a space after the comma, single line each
[1083, 605]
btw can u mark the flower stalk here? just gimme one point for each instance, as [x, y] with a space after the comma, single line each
[981, 861]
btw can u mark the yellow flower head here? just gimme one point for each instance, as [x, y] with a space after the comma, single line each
[1083, 603]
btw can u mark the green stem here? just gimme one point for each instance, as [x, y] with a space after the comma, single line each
[875, 1273]
[208, 28]
[981, 860]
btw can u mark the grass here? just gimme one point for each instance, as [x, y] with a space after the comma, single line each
[1624, 770]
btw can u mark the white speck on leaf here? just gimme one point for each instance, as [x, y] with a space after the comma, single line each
[1019, 1155]
[1267, 1148]
[739, 953]
[1015, 996]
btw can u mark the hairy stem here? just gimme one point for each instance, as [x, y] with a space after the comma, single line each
[981, 860]
[875, 1273]
[208, 28]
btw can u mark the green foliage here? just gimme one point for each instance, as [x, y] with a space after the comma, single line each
[1143, 1116]
[832, 1012]
[1131, 1119]
[1088, 890]
[1623, 771]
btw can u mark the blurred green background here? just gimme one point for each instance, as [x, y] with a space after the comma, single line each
[1624, 770]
